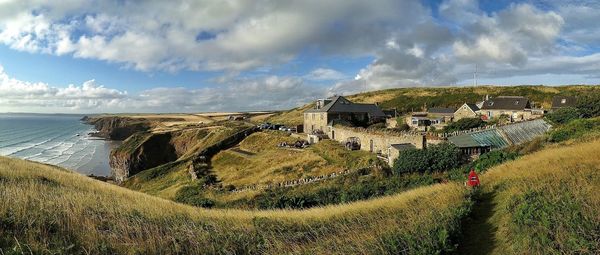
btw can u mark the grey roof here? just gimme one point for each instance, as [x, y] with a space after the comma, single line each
[569, 101]
[506, 103]
[473, 107]
[441, 110]
[403, 146]
[341, 104]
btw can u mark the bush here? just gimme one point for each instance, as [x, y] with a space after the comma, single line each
[380, 125]
[435, 158]
[589, 105]
[402, 127]
[464, 124]
[564, 115]
[491, 159]
[574, 129]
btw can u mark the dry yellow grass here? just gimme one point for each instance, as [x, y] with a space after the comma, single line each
[547, 202]
[45, 209]
[258, 160]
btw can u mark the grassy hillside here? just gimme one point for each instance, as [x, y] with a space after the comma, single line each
[45, 209]
[543, 203]
[414, 99]
[258, 160]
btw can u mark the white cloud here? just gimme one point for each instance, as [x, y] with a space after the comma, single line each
[22, 95]
[164, 35]
[261, 93]
[325, 74]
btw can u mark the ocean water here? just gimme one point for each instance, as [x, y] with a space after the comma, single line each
[61, 140]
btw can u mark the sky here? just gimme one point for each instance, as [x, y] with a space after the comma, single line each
[76, 56]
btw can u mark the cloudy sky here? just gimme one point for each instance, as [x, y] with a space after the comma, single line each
[76, 56]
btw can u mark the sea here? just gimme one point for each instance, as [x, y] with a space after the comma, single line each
[61, 140]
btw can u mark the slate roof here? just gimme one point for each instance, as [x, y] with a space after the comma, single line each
[473, 107]
[343, 105]
[403, 146]
[506, 103]
[441, 110]
[557, 102]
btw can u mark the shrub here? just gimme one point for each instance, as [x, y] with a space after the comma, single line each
[564, 115]
[589, 105]
[491, 159]
[380, 125]
[574, 129]
[433, 159]
[402, 127]
[464, 124]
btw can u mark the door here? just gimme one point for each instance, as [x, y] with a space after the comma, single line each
[371, 145]
[332, 134]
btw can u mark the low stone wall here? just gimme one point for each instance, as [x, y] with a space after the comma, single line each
[376, 140]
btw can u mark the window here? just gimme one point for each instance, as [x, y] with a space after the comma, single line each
[563, 101]
[491, 103]
[516, 102]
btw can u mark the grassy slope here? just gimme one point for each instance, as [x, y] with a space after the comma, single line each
[543, 203]
[166, 180]
[267, 163]
[45, 209]
[413, 99]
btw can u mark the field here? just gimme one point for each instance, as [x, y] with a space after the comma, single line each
[45, 209]
[258, 160]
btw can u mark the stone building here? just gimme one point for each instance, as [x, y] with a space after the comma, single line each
[376, 141]
[339, 108]
[395, 149]
[516, 108]
[466, 111]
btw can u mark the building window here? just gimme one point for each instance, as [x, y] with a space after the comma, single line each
[563, 101]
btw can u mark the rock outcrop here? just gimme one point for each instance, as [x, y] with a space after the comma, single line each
[118, 128]
[147, 150]
[141, 151]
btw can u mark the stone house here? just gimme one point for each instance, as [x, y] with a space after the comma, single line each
[395, 149]
[437, 117]
[563, 101]
[515, 107]
[466, 111]
[325, 111]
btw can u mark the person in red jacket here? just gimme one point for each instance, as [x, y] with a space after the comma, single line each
[473, 180]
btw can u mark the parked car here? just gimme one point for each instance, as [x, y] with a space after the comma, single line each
[353, 143]
[276, 126]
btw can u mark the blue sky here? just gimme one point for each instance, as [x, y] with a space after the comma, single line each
[209, 55]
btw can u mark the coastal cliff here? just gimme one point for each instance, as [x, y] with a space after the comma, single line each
[117, 128]
[145, 150]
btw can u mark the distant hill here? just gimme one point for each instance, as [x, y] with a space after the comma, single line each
[406, 100]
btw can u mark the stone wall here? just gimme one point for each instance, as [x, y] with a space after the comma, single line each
[376, 140]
